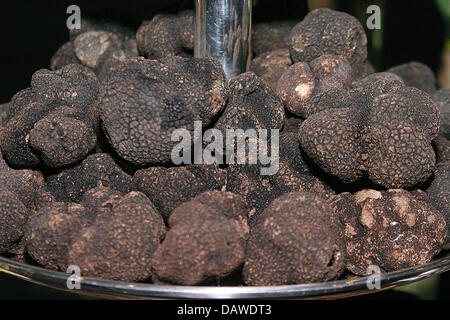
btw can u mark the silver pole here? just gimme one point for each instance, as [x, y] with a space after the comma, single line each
[223, 30]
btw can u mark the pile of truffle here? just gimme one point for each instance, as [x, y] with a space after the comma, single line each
[86, 176]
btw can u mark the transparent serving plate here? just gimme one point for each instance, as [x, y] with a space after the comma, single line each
[133, 290]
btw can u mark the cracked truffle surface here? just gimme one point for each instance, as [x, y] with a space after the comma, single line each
[96, 170]
[325, 31]
[199, 250]
[169, 187]
[103, 51]
[394, 229]
[146, 100]
[120, 246]
[331, 139]
[308, 88]
[166, 35]
[295, 240]
[400, 128]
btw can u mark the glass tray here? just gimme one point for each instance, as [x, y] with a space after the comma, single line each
[127, 290]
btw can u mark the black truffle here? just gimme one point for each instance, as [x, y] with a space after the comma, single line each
[308, 88]
[63, 137]
[252, 105]
[325, 31]
[13, 217]
[146, 100]
[269, 36]
[72, 86]
[169, 187]
[295, 240]
[442, 100]
[199, 250]
[120, 246]
[394, 229]
[271, 65]
[27, 185]
[391, 141]
[167, 35]
[212, 205]
[416, 74]
[96, 170]
[101, 200]
[441, 147]
[50, 232]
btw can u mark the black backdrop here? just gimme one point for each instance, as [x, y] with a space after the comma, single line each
[31, 31]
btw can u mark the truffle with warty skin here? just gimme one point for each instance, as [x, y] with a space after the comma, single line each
[96, 170]
[291, 173]
[416, 74]
[392, 229]
[169, 187]
[101, 200]
[73, 86]
[167, 35]
[295, 240]
[252, 105]
[199, 250]
[27, 185]
[145, 101]
[50, 232]
[64, 136]
[211, 205]
[120, 246]
[325, 31]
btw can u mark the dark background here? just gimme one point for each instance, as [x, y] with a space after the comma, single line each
[32, 31]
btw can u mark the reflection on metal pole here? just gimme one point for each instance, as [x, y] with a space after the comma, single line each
[223, 30]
